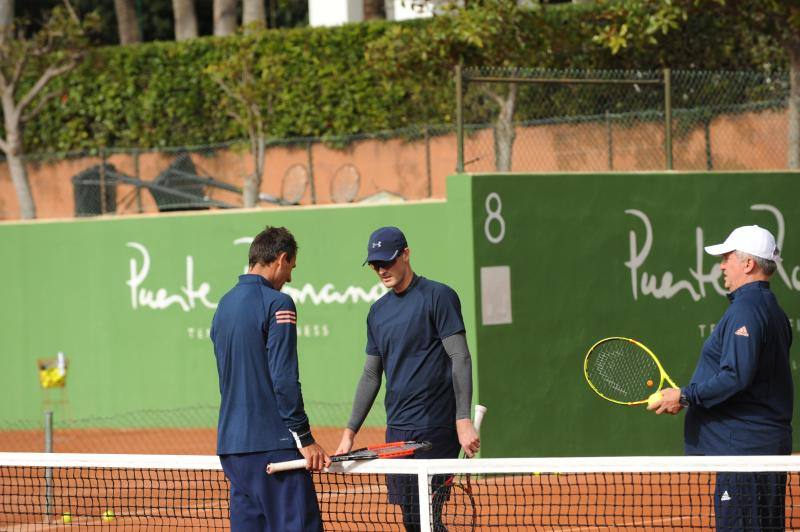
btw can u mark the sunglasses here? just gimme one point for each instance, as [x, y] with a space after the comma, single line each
[385, 264]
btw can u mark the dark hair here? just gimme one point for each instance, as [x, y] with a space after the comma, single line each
[270, 243]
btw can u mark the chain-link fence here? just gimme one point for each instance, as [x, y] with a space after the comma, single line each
[188, 430]
[511, 120]
[403, 164]
[556, 120]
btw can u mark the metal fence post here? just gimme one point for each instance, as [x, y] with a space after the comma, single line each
[668, 116]
[428, 161]
[610, 141]
[103, 206]
[138, 177]
[459, 120]
[309, 147]
[48, 471]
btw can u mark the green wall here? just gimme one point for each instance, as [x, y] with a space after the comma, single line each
[567, 241]
[135, 331]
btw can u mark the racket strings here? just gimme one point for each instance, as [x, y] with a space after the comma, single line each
[622, 371]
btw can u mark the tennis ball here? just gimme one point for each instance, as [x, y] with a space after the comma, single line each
[108, 516]
[654, 398]
[66, 518]
[649, 383]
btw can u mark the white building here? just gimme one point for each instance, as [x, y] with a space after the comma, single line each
[336, 12]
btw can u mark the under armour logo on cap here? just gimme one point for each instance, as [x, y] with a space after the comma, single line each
[385, 244]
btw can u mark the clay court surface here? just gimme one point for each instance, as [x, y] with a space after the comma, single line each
[153, 441]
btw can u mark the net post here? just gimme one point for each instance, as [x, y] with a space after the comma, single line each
[423, 482]
[48, 471]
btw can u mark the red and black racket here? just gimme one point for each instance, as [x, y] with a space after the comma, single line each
[398, 449]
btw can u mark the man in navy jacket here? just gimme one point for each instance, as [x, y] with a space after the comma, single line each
[739, 400]
[261, 416]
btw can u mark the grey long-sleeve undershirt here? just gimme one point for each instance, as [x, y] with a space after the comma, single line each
[370, 382]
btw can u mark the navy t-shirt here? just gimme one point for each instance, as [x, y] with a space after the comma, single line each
[255, 342]
[406, 330]
[741, 393]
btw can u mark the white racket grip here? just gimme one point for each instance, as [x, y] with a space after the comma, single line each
[277, 467]
[480, 410]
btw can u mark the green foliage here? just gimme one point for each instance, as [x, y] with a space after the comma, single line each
[326, 82]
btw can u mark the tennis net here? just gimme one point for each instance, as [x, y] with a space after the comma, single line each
[52, 491]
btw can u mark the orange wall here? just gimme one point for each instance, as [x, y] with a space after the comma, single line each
[753, 141]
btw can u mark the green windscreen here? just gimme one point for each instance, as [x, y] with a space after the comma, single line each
[562, 261]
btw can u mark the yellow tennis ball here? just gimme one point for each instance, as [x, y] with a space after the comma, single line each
[654, 398]
[108, 516]
[66, 518]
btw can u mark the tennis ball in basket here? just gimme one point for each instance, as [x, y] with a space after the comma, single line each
[654, 398]
[108, 516]
[66, 518]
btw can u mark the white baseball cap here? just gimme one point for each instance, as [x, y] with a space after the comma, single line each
[750, 239]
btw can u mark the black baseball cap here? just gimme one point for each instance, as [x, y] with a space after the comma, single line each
[385, 244]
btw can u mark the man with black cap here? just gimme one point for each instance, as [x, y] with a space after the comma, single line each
[739, 400]
[416, 336]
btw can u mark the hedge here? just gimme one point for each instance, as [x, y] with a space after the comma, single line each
[355, 78]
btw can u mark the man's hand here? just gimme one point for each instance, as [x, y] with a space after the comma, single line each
[315, 456]
[347, 442]
[669, 403]
[468, 437]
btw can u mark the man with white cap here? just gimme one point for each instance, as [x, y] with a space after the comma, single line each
[739, 400]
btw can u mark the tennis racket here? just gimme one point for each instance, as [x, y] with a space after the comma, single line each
[624, 371]
[396, 449]
[453, 502]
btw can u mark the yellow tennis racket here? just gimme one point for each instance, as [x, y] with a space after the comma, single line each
[624, 371]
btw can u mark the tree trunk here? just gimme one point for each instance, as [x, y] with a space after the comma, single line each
[12, 147]
[185, 19]
[374, 9]
[253, 12]
[19, 177]
[504, 133]
[793, 50]
[127, 24]
[6, 17]
[224, 17]
[252, 183]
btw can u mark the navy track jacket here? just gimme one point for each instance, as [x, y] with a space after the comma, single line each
[255, 342]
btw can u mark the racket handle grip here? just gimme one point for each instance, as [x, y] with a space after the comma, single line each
[277, 467]
[480, 410]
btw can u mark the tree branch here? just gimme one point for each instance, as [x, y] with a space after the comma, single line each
[4, 146]
[3, 84]
[499, 100]
[238, 98]
[44, 79]
[71, 11]
[18, 68]
[39, 105]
